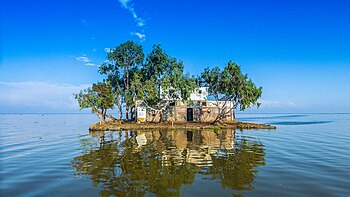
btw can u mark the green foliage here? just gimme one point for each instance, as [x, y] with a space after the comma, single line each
[186, 85]
[230, 88]
[122, 65]
[231, 84]
[87, 98]
[105, 94]
[99, 98]
[156, 63]
[159, 79]
[127, 55]
[164, 80]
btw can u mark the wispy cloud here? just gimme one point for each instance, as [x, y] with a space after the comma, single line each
[86, 60]
[39, 96]
[84, 22]
[140, 22]
[83, 58]
[90, 64]
[126, 4]
[141, 36]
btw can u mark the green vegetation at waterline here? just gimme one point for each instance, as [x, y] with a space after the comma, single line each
[158, 79]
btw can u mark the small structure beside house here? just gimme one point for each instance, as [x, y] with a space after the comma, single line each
[197, 109]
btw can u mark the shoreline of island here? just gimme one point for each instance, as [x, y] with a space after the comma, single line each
[113, 125]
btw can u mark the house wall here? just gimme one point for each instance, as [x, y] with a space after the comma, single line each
[178, 113]
[209, 114]
[152, 116]
[199, 94]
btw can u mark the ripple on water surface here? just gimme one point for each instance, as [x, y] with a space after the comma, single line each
[307, 155]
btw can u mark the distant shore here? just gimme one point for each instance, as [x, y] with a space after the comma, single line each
[118, 125]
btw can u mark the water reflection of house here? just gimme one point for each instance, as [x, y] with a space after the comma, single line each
[128, 162]
[198, 109]
[196, 147]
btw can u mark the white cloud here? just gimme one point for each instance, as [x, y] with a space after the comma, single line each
[124, 3]
[39, 96]
[83, 58]
[90, 64]
[107, 50]
[141, 36]
[140, 22]
[86, 60]
[127, 5]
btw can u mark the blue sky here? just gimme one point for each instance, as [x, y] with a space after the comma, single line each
[298, 51]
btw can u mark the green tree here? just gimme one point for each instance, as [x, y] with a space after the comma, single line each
[113, 77]
[164, 81]
[230, 88]
[125, 59]
[99, 98]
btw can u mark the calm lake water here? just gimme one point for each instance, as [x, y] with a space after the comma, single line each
[55, 155]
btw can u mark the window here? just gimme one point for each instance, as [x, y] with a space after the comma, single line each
[204, 103]
[200, 91]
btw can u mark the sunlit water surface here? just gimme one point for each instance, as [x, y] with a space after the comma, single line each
[55, 155]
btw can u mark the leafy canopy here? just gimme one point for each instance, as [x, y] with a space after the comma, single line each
[99, 96]
[163, 77]
[230, 84]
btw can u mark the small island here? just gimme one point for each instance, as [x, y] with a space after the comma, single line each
[111, 125]
[154, 92]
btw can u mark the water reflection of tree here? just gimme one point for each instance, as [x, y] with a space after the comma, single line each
[132, 172]
[120, 166]
[238, 172]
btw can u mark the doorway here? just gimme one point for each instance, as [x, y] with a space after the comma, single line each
[189, 114]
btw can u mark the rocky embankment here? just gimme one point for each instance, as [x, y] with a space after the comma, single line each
[118, 125]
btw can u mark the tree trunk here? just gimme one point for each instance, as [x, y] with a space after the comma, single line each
[217, 119]
[120, 115]
[219, 116]
[127, 113]
[103, 116]
[135, 108]
[110, 116]
[99, 118]
[120, 112]
[132, 113]
[160, 116]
